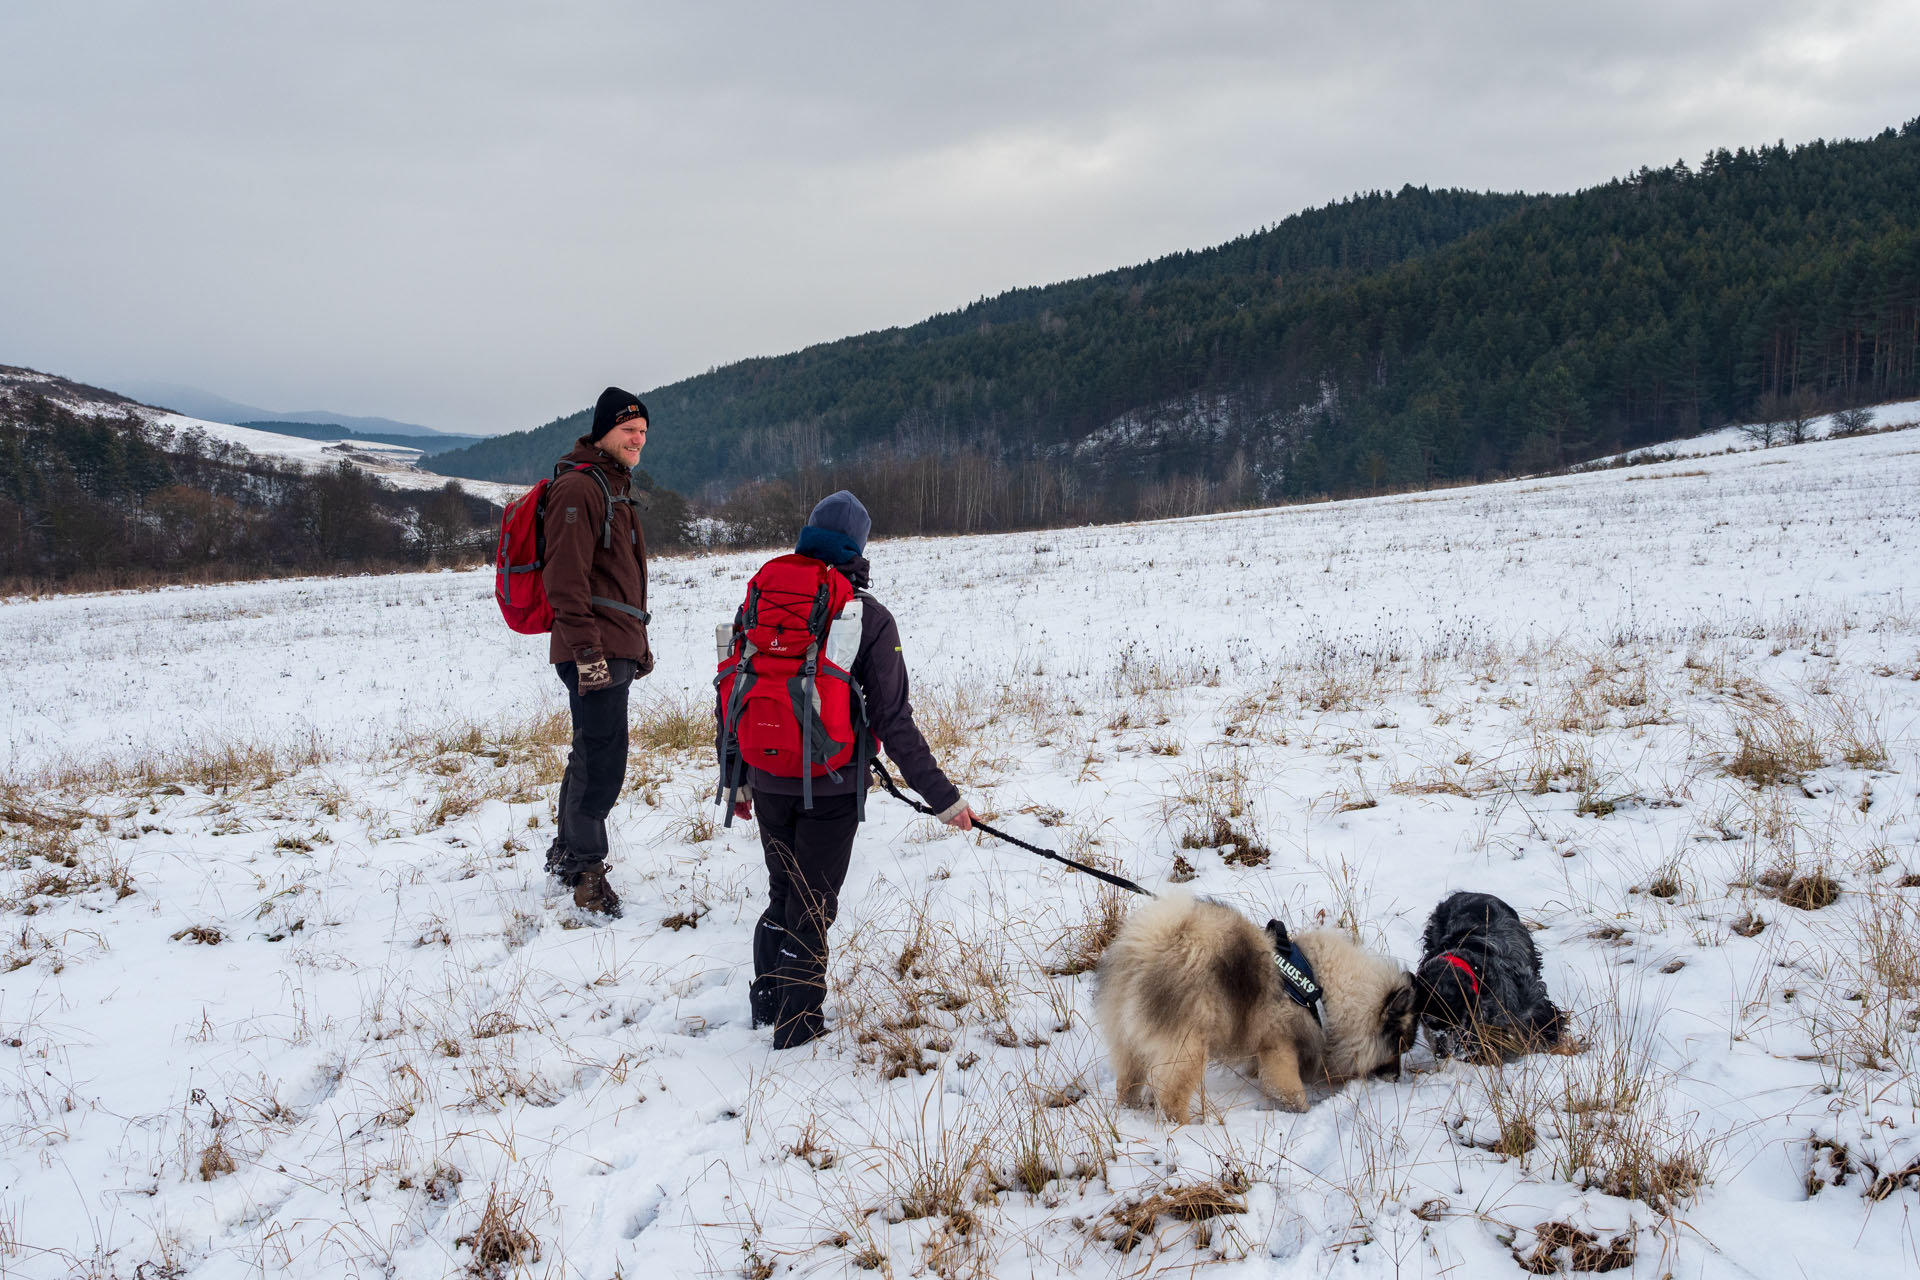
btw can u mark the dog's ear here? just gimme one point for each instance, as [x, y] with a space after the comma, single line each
[1399, 1018]
[1421, 993]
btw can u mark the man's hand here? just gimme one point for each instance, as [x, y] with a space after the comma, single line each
[592, 674]
[743, 810]
[961, 821]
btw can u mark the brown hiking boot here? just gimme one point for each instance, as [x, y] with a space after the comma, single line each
[591, 892]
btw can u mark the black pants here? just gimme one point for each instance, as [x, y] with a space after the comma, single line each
[597, 764]
[807, 853]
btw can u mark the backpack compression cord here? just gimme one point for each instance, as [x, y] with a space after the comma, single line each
[1119, 882]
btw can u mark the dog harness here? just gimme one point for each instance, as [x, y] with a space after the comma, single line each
[1463, 967]
[1296, 973]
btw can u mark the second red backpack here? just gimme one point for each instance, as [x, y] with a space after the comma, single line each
[521, 553]
[786, 707]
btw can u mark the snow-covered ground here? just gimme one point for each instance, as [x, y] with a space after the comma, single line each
[289, 994]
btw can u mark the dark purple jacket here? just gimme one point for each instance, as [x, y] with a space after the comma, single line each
[881, 672]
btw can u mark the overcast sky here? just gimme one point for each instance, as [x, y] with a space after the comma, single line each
[475, 215]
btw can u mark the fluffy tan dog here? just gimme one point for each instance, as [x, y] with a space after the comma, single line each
[1188, 981]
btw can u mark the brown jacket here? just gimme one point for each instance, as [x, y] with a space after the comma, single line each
[581, 564]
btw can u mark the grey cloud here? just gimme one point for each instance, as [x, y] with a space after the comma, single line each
[474, 215]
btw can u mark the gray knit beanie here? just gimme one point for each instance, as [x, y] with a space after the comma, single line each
[842, 513]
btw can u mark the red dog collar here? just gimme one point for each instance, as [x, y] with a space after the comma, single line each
[1465, 968]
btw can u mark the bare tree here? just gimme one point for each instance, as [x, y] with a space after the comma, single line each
[1853, 422]
[1768, 416]
[1801, 413]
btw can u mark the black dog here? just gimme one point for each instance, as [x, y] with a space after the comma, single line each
[1478, 989]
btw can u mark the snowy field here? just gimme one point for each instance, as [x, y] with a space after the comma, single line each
[286, 992]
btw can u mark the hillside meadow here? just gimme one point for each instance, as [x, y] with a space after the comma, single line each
[286, 992]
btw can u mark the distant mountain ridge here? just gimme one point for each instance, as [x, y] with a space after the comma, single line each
[439, 442]
[211, 407]
[1383, 340]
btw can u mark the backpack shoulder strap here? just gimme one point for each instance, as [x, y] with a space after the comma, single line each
[563, 467]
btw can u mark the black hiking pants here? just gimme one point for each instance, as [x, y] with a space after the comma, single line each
[807, 853]
[596, 766]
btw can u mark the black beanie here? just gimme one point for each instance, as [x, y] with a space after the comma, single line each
[614, 402]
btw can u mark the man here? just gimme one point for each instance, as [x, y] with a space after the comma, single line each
[808, 849]
[596, 580]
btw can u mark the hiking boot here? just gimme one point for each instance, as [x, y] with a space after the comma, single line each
[557, 862]
[797, 1020]
[799, 1029]
[591, 892]
[763, 997]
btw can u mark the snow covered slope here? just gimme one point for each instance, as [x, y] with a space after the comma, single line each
[1739, 437]
[289, 994]
[395, 464]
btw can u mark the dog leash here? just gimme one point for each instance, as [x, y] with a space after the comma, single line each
[1119, 882]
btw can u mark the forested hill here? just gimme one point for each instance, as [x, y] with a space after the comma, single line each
[865, 385]
[1385, 339]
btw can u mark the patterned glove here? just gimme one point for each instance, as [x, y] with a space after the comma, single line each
[593, 674]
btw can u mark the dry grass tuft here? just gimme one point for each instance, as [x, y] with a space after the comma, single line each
[1126, 1225]
[907, 992]
[1583, 1251]
[221, 769]
[809, 1147]
[1666, 883]
[1772, 745]
[1211, 802]
[1083, 944]
[455, 800]
[501, 1239]
[58, 867]
[1517, 1138]
[673, 722]
[1617, 1134]
[1870, 1017]
[1811, 892]
[37, 815]
[1237, 848]
[215, 1160]
[1857, 736]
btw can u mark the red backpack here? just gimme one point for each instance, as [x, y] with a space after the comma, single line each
[518, 587]
[786, 708]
